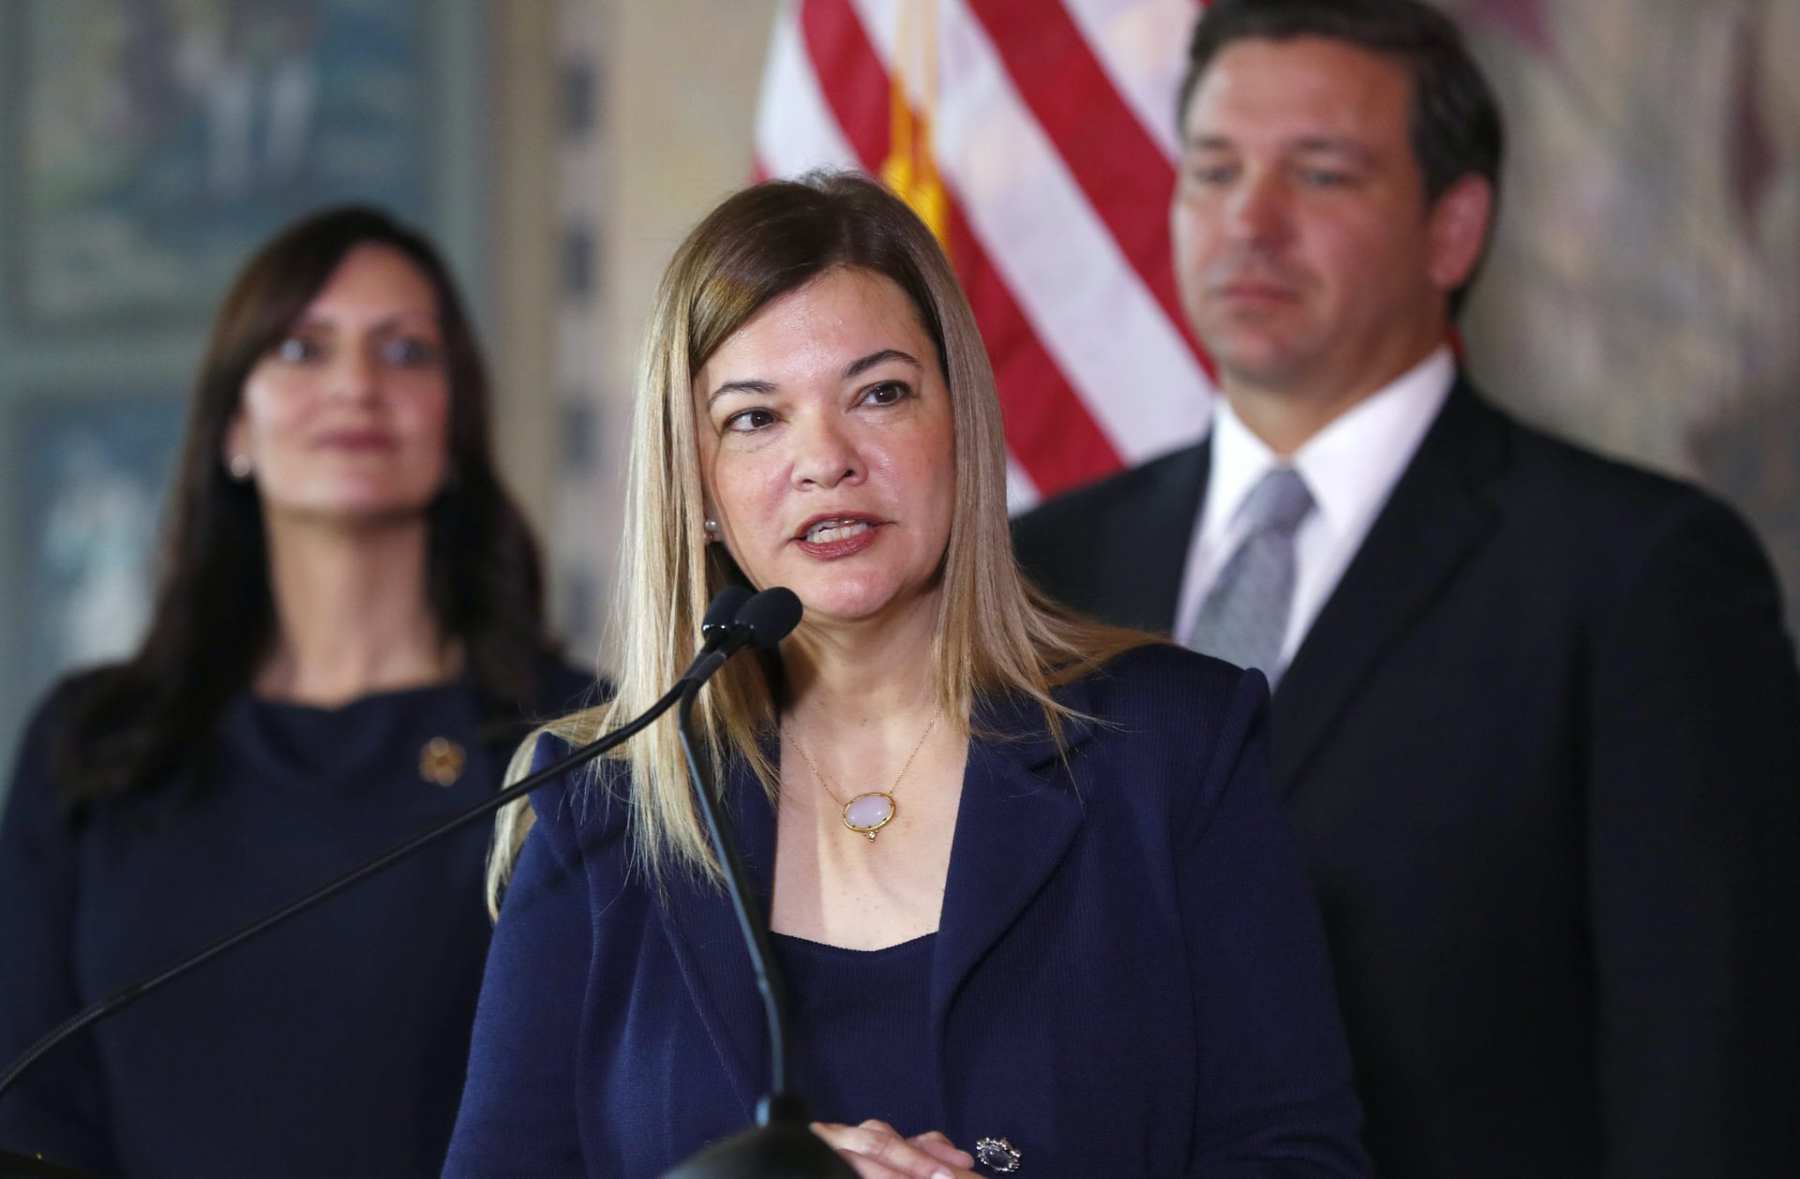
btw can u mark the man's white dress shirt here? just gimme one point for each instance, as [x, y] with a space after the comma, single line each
[1350, 467]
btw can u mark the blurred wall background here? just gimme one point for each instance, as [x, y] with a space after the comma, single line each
[1643, 295]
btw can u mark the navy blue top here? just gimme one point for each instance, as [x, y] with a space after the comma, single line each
[333, 1045]
[856, 1030]
[1128, 976]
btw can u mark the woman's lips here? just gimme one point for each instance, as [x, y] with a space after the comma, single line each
[355, 441]
[832, 537]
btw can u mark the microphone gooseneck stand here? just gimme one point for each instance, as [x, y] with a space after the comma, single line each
[724, 634]
[781, 1145]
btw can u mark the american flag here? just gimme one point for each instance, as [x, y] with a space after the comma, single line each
[1037, 138]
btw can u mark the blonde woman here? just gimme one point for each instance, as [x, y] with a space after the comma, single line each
[1033, 901]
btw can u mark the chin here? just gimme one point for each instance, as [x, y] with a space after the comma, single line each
[845, 600]
[1262, 364]
[361, 510]
[836, 606]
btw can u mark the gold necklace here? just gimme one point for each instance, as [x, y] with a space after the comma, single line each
[871, 810]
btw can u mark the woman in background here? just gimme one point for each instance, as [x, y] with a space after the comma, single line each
[1035, 904]
[347, 637]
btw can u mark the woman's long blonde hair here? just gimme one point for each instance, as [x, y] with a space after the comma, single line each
[995, 633]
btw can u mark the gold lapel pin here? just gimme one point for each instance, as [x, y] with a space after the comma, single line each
[441, 761]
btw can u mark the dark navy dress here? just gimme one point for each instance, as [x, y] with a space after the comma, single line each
[858, 1029]
[334, 1045]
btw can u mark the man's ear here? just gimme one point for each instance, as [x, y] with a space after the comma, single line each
[1459, 226]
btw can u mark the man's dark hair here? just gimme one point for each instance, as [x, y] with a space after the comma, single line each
[1455, 125]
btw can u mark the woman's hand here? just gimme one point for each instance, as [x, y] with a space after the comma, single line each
[877, 1151]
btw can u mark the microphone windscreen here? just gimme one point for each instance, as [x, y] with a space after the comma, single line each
[770, 616]
[722, 611]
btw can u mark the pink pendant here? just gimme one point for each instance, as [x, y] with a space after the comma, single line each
[868, 813]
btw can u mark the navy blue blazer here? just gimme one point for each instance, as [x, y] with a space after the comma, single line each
[1129, 976]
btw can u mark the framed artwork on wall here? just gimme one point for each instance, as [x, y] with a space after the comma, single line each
[153, 143]
[90, 476]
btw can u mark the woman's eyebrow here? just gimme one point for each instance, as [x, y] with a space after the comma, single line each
[854, 368]
[751, 385]
[858, 367]
[326, 321]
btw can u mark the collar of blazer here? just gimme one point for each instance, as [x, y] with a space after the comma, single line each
[1439, 514]
[1016, 820]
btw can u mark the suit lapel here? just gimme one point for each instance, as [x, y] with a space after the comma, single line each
[1435, 518]
[1016, 820]
[703, 931]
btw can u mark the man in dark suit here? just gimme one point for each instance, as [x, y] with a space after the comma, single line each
[1536, 721]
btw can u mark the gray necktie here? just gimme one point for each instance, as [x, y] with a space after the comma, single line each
[1245, 614]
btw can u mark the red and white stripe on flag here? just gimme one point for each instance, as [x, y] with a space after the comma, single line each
[1037, 138]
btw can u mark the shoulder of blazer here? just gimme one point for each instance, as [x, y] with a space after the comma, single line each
[1117, 549]
[1172, 483]
[581, 809]
[1175, 699]
[1158, 689]
[1568, 489]
[1171, 730]
[1157, 677]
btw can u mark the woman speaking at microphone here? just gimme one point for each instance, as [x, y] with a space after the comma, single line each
[345, 641]
[1033, 901]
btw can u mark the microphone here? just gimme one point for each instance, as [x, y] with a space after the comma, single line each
[715, 628]
[782, 1142]
[769, 617]
[764, 619]
[728, 636]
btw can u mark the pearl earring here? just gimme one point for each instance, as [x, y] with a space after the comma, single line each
[712, 527]
[239, 466]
